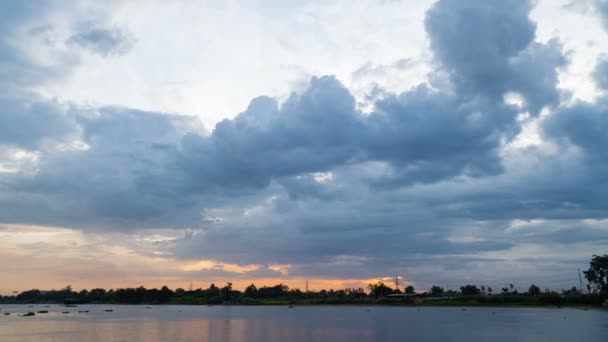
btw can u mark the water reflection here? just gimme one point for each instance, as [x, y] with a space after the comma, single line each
[268, 324]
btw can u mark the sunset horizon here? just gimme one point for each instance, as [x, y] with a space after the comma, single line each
[429, 152]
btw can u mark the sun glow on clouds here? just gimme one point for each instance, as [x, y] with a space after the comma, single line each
[57, 257]
[283, 269]
[214, 265]
[17, 233]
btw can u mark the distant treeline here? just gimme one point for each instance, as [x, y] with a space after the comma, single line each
[378, 293]
[212, 295]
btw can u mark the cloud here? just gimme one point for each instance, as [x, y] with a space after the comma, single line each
[102, 41]
[321, 129]
[582, 125]
[424, 176]
[600, 74]
[492, 50]
[602, 8]
[27, 123]
[18, 68]
[111, 180]
[369, 69]
[138, 166]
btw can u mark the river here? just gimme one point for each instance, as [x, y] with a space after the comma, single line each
[302, 323]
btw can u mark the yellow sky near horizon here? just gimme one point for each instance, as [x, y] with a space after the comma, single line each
[36, 257]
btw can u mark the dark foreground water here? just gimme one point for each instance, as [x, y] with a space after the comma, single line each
[312, 323]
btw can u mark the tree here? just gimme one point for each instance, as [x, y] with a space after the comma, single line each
[573, 291]
[534, 290]
[410, 289]
[28, 296]
[437, 291]
[469, 290]
[379, 290]
[213, 291]
[97, 295]
[597, 274]
[140, 294]
[165, 294]
[180, 292]
[227, 291]
[251, 291]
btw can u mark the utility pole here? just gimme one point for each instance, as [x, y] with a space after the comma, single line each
[580, 282]
[396, 282]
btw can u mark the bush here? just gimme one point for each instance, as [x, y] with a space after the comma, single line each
[386, 300]
[550, 298]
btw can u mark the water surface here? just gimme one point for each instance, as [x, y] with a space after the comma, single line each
[301, 323]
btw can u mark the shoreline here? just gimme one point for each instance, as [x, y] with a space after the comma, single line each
[455, 305]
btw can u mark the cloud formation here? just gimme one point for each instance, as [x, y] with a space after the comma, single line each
[105, 42]
[600, 74]
[314, 182]
[488, 49]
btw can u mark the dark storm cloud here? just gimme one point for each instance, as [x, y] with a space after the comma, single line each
[27, 123]
[487, 48]
[367, 224]
[582, 184]
[429, 136]
[583, 125]
[306, 186]
[321, 129]
[311, 132]
[107, 183]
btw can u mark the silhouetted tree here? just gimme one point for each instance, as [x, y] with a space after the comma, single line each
[179, 292]
[226, 292]
[597, 274]
[379, 290]
[534, 290]
[165, 294]
[573, 291]
[29, 296]
[469, 290]
[437, 291]
[213, 291]
[97, 295]
[251, 291]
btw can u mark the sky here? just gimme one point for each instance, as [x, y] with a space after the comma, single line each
[193, 142]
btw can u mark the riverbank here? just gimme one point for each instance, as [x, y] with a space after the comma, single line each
[585, 301]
